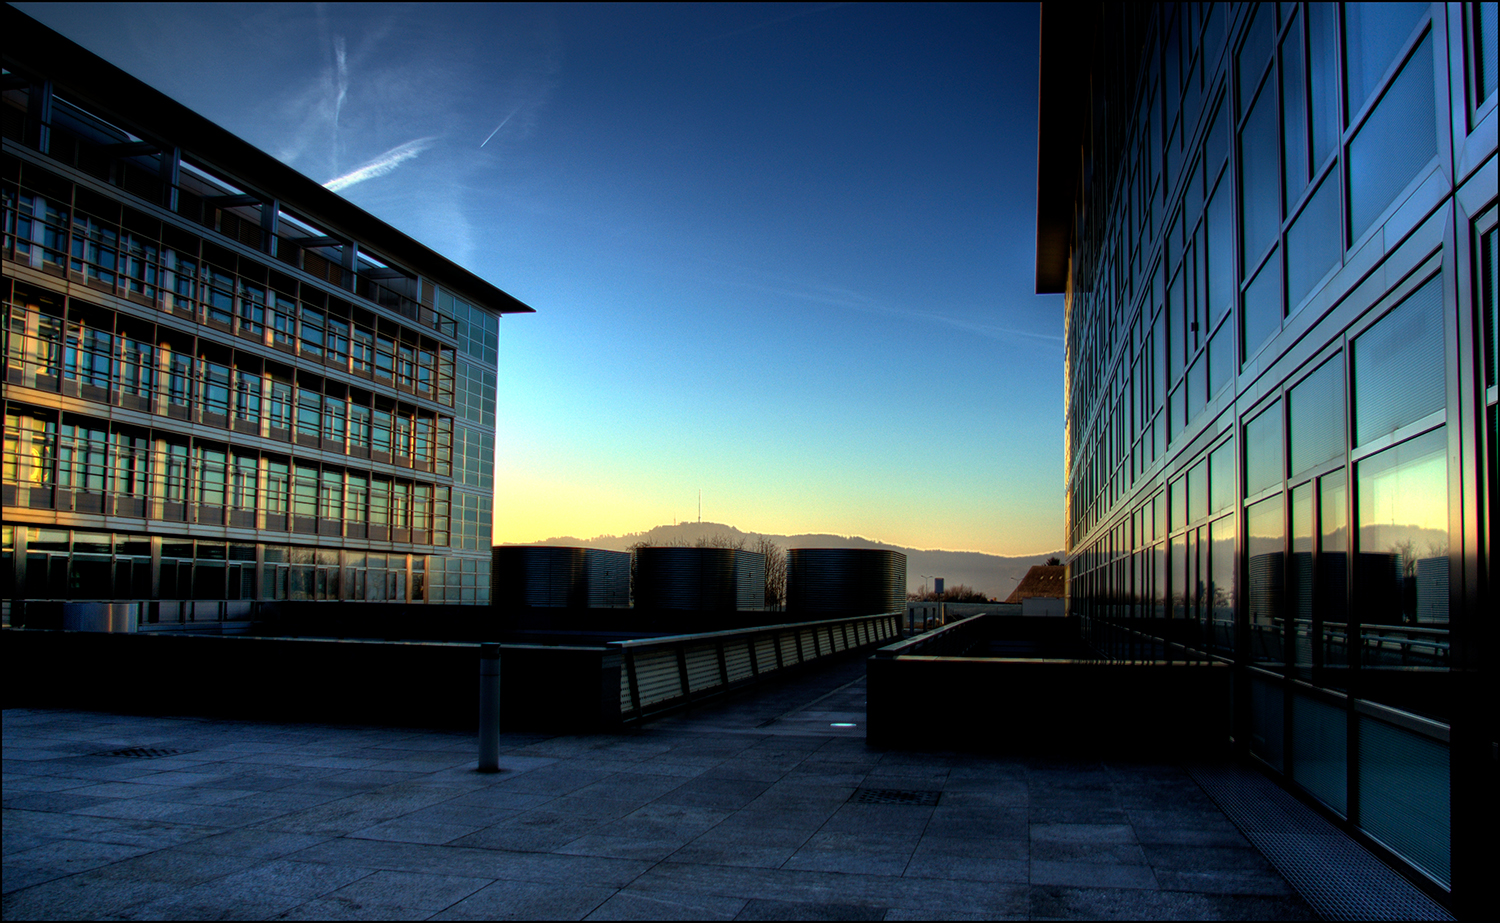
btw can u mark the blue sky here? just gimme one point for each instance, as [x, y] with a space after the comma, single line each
[779, 253]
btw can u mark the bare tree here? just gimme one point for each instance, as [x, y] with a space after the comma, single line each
[775, 571]
[721, 540]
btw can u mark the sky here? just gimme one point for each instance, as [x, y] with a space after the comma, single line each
[781, 254]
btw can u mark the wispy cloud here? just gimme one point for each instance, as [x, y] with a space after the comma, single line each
[844, 297]
[381, 165]
[341, 63]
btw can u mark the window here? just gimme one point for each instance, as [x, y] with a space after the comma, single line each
[247, 398]
[283, 321]
[359, 427]
[243, 485]
[278, 487]
[252, 308]
[1264, 455]
[1314, 243]
[215, 388]
[218, 294]
[338, 341]
[1398, 366]
[333, 422]
[364, 351]
[1397, 140]
[211, 476]
[309, 412]
[180, 382]
[1265, 542]
[1316, 407]
[311, 341]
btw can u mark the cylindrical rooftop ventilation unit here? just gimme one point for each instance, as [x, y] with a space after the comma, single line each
[549, 576]
[845, 580]
[699, 579]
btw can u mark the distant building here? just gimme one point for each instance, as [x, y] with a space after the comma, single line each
[228, 391]
[1042, 580]
[1275, 230]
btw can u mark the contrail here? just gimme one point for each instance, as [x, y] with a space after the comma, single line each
[341, 57]
[500, 126]
[381, 165]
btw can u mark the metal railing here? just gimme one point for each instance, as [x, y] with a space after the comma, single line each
[659, 673]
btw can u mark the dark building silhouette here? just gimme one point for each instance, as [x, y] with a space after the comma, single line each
[229, 393]
[1274, 227]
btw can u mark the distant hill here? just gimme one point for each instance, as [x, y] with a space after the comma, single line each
[991, 574]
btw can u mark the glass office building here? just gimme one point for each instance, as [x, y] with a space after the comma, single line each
[226, 387]
[1274, 226]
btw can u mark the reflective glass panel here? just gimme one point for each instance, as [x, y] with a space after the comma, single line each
[1264, 450]
[1333, 576]
[1403, 540]
[1397, 140]
[1260, 179]
[1316, 408]
[1221, 477]
[1399, 367]
[1265, 541]
[1314, 243]
[1374, 33]
[1221, 586]
[1299, 579]
[1262, 317]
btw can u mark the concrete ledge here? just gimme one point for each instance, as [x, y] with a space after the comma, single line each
[420, 684]
[1021, 705]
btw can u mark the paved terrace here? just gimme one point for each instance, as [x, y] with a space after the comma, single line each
[756, 807]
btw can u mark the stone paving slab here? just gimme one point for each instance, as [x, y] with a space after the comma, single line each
[746, 807]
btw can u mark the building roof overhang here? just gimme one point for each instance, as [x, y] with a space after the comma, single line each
[32, 48]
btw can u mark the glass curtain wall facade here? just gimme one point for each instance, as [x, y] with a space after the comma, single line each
[224, 385]
[1275, 230]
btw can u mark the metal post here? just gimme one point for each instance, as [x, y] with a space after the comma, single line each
[489, 707]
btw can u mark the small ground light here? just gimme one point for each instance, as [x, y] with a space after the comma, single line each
[842, 724]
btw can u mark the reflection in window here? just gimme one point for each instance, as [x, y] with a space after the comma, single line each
[1299, 578]
[1265, 542]
[1398, 366]
[1333, 573]
[1402, 524]
[1221, 584]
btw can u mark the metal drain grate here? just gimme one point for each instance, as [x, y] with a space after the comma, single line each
[894, 796]
[1339, 878]
[144, 753]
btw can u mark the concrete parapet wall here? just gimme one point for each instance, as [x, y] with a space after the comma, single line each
[1039, 706]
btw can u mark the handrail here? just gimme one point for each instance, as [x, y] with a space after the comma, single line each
[661, 673]
[910, 646]
[754, 629]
